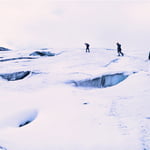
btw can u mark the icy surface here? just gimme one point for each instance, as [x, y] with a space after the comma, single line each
[55, 115]
[101, 82]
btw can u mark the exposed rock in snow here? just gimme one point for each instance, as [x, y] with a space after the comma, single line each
[15, 75]
[41, 53]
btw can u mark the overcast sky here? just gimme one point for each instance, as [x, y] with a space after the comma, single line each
[70, 23]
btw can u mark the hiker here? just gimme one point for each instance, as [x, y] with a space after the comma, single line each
[149, 56]
[119, 49]
[87, 47]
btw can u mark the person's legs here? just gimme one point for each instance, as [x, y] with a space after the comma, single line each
[87, 50]
[122, 53]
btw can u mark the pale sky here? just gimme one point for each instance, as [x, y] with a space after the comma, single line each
[71, 23]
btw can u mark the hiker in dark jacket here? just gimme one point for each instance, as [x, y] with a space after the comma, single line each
[87, 47]
[119, 50]
[149, 56]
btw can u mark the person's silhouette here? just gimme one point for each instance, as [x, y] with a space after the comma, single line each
[119, 49]
[87, 47]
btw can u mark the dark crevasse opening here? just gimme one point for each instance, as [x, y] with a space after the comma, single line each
[15, 76]
[27, 118]
[19, 58]
[41, 53]
[101, 82]
[4, 49]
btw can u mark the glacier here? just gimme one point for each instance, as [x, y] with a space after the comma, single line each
[41, 110]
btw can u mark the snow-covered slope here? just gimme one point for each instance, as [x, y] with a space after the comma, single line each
[44, 111]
